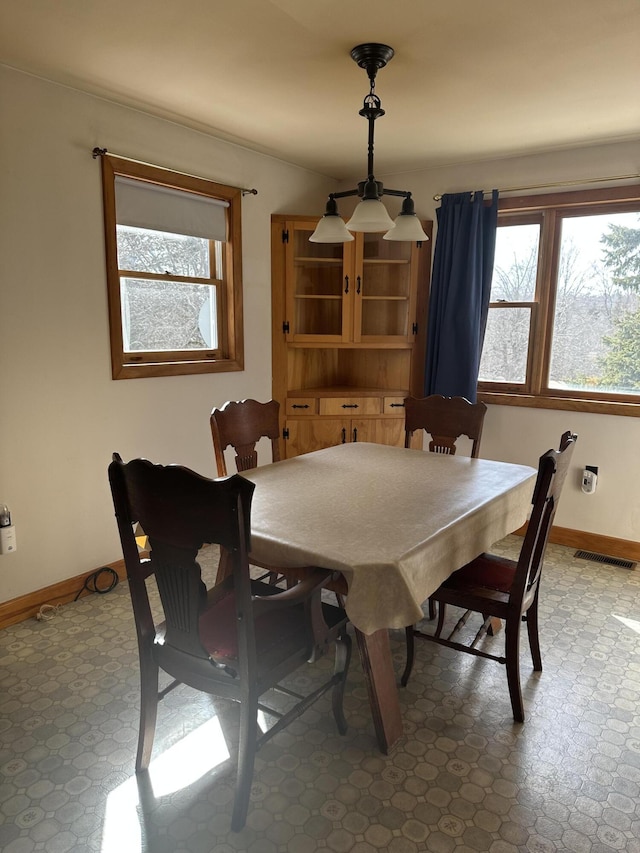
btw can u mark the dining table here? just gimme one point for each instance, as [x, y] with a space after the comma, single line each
[393, 523]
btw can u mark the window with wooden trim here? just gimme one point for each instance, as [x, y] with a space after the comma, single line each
[563, 329]
[173, 248]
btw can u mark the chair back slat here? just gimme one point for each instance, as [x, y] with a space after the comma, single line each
[246, 458]
[446, 419]
[443, 444]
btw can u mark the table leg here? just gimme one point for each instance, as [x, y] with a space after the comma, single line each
[375, 654]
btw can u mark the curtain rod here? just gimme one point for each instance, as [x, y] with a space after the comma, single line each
[438, 197]
[100, 152]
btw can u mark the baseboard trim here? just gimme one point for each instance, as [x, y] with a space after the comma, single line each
[27, 606]
[625, 549]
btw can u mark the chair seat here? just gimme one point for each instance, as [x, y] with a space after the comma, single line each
[487, 571]
[483, 585]
[279, 636]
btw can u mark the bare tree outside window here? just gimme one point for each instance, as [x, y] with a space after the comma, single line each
[506, 342]
[166, 315]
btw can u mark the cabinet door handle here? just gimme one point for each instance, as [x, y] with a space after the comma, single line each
[346, 284]
[359, 280]
[349, 405]
[299, 406]
[355, 434]
[344, 435]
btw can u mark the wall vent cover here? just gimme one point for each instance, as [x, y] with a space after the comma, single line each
[602, 558]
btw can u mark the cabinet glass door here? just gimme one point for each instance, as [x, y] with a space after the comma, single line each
[318, 287]
[386, 288]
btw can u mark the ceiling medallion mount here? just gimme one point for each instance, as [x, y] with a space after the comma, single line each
[372, 56]
[370, 214]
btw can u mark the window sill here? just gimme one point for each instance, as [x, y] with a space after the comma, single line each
[175, 368]
[571, 404]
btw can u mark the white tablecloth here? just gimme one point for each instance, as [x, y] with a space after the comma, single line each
[395, 522]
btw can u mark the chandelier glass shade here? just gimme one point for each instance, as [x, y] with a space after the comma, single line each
[370, 215]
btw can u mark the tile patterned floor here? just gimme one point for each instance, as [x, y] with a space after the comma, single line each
[465, 778]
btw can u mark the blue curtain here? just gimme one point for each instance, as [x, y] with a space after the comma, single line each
[459, 301]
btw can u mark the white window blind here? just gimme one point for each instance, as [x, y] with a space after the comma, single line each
[141, 204]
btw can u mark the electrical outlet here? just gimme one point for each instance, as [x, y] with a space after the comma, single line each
[589, 479]
[8, 539]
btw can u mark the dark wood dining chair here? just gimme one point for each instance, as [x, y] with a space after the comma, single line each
[241, 425]
[238, 639]
[446, 419]
[497, 587]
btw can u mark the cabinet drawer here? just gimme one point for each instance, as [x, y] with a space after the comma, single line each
[302, 406]
[350, 405]
[394, 406]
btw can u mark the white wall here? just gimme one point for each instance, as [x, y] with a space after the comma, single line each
[61, 415]
[520, 434]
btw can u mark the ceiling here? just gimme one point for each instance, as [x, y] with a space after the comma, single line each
[471, 79]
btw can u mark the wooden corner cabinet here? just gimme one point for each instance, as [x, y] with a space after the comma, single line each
[349, 332]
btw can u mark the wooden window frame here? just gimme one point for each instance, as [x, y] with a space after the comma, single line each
[229, 356]
[548, 209]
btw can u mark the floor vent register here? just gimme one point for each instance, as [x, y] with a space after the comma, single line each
[602, 558]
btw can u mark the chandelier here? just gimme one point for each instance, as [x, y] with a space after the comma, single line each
[370, 214]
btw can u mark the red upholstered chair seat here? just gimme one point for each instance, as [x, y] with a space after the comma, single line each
[488, 571]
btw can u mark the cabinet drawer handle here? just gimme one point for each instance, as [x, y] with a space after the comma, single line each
[359, 280]
[392, 406]
[350, 406]
[300, 406]
[346, 284]
[344, 435]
